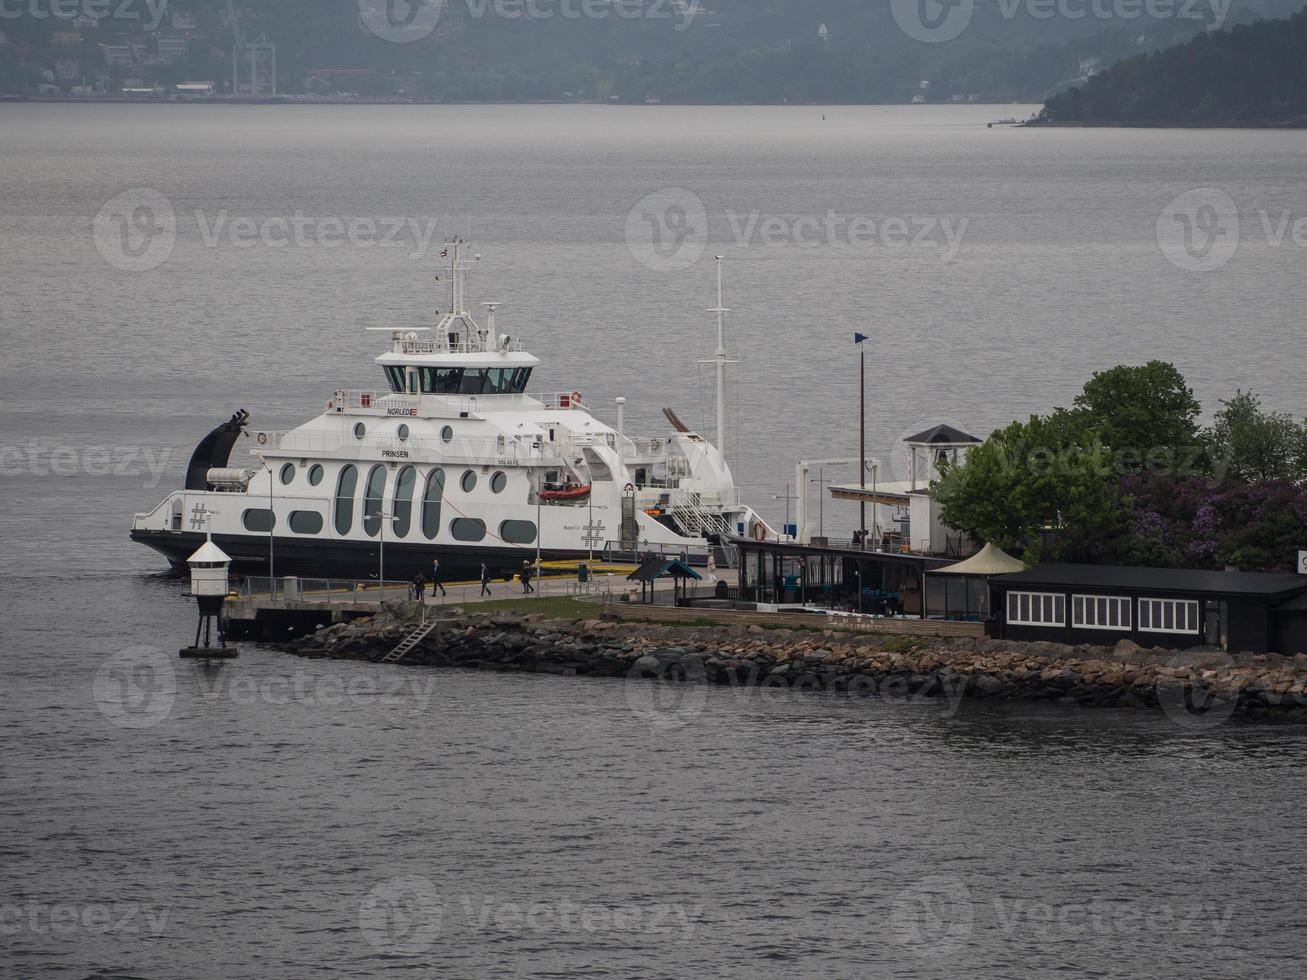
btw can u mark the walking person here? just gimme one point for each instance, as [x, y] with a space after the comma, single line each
[485, 579]
[526, 578]
[436, 581]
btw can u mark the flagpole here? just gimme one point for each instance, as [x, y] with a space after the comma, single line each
[858, 339]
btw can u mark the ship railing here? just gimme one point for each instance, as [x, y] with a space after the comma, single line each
[418, 449]
[364, 398]
[432, 346]
[323, 590]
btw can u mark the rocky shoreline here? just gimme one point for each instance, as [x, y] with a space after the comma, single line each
[1197, 687]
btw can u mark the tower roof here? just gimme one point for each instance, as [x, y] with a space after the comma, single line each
[943, 433]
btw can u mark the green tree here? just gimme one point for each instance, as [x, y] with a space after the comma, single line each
[1146, 414]
[1048, 479]
[1249, 445]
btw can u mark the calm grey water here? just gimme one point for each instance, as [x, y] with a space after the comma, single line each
[288, 818]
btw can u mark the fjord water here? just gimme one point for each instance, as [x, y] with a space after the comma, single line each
[255, 823]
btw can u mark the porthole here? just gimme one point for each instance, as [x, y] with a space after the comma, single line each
[467, 529]
[402, 433]
[518, 532]
[447, 433]
[498, 482]
[287, 473]
[360, 430]
[258, 520]
[305, 521]
[469, 481]
[315, 474]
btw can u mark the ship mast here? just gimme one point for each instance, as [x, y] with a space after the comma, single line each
[720, 361]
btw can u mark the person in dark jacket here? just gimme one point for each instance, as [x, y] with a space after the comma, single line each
[526, 578]
[419, 587]
[436, 582]
[485, 579]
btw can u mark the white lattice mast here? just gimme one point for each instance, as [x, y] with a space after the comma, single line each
[720, 361]
[455, 249]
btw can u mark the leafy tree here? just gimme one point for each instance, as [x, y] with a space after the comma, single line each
[1145, 414]
[1249, 445]
[1044, 485]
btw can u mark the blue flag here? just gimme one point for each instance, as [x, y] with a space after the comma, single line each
[860, 337]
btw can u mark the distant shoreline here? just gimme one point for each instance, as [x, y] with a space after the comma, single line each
[290, 101]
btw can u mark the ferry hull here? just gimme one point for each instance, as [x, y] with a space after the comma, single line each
[349, 559]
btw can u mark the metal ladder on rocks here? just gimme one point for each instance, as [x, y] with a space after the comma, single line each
[406, 645]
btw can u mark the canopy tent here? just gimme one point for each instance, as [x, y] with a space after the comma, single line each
[961, 591]
[989, 560]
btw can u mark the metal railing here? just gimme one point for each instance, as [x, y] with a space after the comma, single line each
[421, 346]
[324, 590]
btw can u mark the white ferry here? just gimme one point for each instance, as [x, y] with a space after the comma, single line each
[454, 460]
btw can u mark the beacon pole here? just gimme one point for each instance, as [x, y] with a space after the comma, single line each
[859, 338]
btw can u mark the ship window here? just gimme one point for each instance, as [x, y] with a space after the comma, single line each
[402, 507]
[518, 532]
[469, 481]
[315, 474]
[431, 498]
[258, 519]
[440, 381]
[360, 430]
[287, 473]
[474, 381]
[498, 482]
[395, 378]
[412, 382]
[305, 521]
[402, 433]
[345, 486]
[372, 494]
[467, 529]
[447, 433]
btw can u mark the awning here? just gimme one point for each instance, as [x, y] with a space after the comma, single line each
[989, 560]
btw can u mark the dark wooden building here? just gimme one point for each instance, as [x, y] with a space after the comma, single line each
[1254, 612]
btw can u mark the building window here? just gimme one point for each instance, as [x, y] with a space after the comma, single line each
[469, 481]
[315, 474]
[258, 520]
[467, 529]
[1168, 616]
[345, 486]
[287, 474]
[1101, 612]
[373, 491]
[498, 482]
[1036, 608]
[402, 507]
[305, 521]
[431, 498]
[517, 532]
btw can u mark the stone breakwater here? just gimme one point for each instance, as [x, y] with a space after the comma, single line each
[1201, 687]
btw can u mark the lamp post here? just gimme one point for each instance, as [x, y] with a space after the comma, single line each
[787, 497]
[383, 516]
[821, 501]
[539, 533]
[858, 339]
[272, 523]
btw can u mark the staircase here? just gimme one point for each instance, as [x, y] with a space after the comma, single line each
[406, 645]
[687, 508]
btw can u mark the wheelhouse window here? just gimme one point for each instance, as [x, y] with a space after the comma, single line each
[402, 508]
[1102, 612]
[470, 381]
[346, 484]
[395, 378]
[373, 492]
[431, 498]
[1036, 608]
[467, 529]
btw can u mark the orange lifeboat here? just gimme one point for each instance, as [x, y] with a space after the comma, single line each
[567, 493]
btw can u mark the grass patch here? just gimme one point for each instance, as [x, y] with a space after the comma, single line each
[554, 607]
[900, 644]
